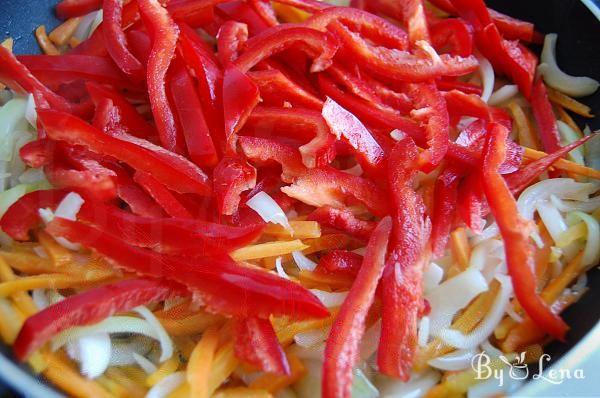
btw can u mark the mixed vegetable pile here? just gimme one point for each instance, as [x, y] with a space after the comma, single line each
[295, 198]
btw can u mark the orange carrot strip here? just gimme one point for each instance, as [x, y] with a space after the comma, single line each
[45, 44]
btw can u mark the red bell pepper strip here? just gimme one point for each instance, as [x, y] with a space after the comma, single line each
[176, 172]
[240, 11]
[343, 220]
[514, 29]
[276, 89]
[131, 120]
[116, 41]
[401, 65]
[303, 123]
[240, 97]
[38, 153]
[161, 195]
[452, 35]
[164, 33]
[255, 343]
[472, 206]
[193, 12]
[344, 124]
[306, 5]
[95, 180]
[231, 177]
[140, 45]
[89, 307]
[187, 104]
[76, 8]
[522, 178]
[451, 84]
[340, 262]
[515, 233]
[223, 285]
[319, 45]
[107, 118]
[134, 196]
[327, 186]
[544, 117]
[265, 10]
[431, 111]
[462, 104]
[444, 206]
[413, 15]
[401, 284]
[342, 346]
[231, 38]
[264, 149]
[22, 216]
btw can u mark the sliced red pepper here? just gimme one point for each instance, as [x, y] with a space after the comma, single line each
[116, 41]
[231, 38]
[327, 186]
[223, 285]
[444, 206]
[176, 172]
[240, 96]
[400, 65]
[264, 149]
[161, 195]
[413, 15]
[515, 231]
[136, 198]
[265, 10]
[89, 307]
[92, 179]
[452, 84]
[522, 178]
[193, 12]
[472, 206]
[231, 177]
[186, 101]
[342, 262]
[140, 44]
[38, 153]
[344, 220]
[240, 11]
[514, 29]
[164, 33]
[401, 283]
[107, 118]
[342, 346]
[296, 122]
[277, 89]
[22, 216]
[452, 35]
[76, 8]
[256, 343]
[544, 117]
[320, 45]
[345, 125]
[462, 104]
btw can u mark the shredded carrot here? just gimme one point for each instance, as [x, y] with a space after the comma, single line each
[569, 103]
[524, 129]
[268, 249]
[287, 13]
[59, 255]
[185, 345]
[167, 367]
[8, 44]
[12, 320]
[242, 392]
[21, 299]
[275, 383]
[63, 32]
[45, 44]
[113, 388]
[131, 387]
[325, 242]
[564, 279]
[565, 117]
[224, 364]
[459, 246]
[134, 373]
[563, 164]
[48, 281]
[192, 324]
[300, 230]
[325, 281]
[198, 369]
[63, 375]
[74, 42]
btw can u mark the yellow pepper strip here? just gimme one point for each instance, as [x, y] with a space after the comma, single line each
[45, 44]
[167, 367]
[61, 374]
[63, 32]
[268, 249]
[242, 392]
[291, 14]
[324, 281]
[325, 242]
[565, 117]
[134, 373]
[12, 320]
[301, 230]
[569, 103]
[28, 263]
[198, 370]
[577, 231]
[113, 388]
[21, 299]
[224, 363]
[132, 388]
[459, 245]
[59, 255]
[525, 132]
[465, 323]
[286, 331]
[8, 44]
[274, 383]
[563, 164]
[185, 345]
[47, 281]
[193, 324]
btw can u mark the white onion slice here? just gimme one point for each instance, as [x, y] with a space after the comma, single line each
[330, 299]
[487, 78]
[416, 387]
[591, 253]
[303, 262]
[30, 112]
[355, 170]
[490, 349]
[452, 296]
[96, 22]
[564, 188]
[166, 345]
[510, 311]
[486, 327]
[552, 219]
[503, 94]
[432, 277]
[509, 382]
[454, 361]
[123, 350]
[315, 352]
[556, 78]
[83, 29]
[571, 205]
[311, 338]
[92, 352]
[69, 206]
[166, 386]
[40, 299]
[40, 252]
[369, 341]
[580, 285]
[279, 268]
[266, 207]
[147, 366]
[592, 150]
[423, 333]
[569, 136]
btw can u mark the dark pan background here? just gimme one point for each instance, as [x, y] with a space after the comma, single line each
[578, 53]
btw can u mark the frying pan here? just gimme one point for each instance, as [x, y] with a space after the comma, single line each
[578, 27]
